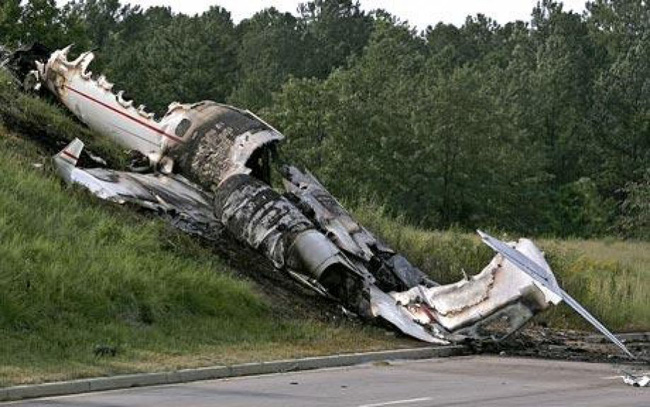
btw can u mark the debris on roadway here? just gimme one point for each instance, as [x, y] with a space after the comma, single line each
[636, 381]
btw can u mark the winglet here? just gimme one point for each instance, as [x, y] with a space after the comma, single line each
[66, 160]
[70, 154]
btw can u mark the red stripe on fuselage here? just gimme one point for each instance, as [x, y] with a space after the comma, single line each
[140, 122]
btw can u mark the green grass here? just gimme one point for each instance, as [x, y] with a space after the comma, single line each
[78, 274]
[610, 277]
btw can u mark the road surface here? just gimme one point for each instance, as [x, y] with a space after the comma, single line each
[460, 381]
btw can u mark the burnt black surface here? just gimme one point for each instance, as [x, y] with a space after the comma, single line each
[204, 157]
[392, 271]
[395, 273]
[23, 60]
[547, 343]
[262, 218]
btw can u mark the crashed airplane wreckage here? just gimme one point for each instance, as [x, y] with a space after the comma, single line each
[212, 167]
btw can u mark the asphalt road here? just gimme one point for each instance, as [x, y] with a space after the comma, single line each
[460, 381]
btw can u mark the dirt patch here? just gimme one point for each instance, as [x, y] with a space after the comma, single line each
[543, 342]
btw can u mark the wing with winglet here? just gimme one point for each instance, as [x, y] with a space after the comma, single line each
[546, 280]
[171, 194]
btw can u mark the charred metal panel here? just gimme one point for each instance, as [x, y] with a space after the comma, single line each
[330, 215]
[392, 271]
[259, 216]
[224, 141]
[395, 273]
[262, 218]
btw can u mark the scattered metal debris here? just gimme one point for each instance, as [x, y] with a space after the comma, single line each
[636, 381]
[224, 157]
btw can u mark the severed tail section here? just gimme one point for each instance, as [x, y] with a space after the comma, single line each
[547, 281]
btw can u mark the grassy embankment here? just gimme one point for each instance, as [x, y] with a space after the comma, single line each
[81, 279]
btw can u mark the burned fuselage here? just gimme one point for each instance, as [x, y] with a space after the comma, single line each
[224, 156]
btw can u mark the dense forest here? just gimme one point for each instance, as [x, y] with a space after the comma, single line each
[539, 126]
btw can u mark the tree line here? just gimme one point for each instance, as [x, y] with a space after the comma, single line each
[539, 126]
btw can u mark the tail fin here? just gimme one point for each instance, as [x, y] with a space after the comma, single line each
[66, 159]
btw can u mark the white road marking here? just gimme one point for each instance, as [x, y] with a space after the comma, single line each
[396, 402]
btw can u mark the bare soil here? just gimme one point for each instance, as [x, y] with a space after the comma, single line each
[546, 343]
